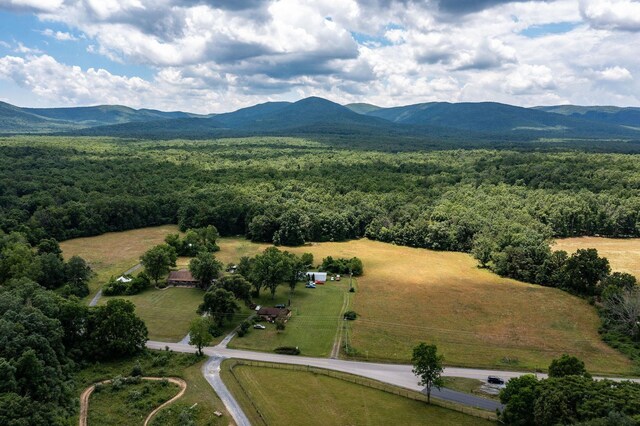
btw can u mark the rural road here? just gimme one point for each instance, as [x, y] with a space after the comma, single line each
[394, 374]
[98, 295]
[211, 371]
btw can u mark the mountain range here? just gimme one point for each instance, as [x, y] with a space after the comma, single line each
[317, 116]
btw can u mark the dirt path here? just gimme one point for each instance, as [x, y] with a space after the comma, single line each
[335, 351]
[86, 394]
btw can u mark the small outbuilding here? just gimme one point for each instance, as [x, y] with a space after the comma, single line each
[272, 314]
[317, 277]
[182, 277]
[124, 279]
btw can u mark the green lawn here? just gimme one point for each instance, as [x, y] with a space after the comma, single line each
[167, 313]
[463, 384]
[298, 397]
[163, 364]
[313, 325]
[129, 404]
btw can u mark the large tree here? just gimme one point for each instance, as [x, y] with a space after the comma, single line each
[205, 268]
[567, 365]
[238, 285]
[427, 365]
[199, 335]
[269, 269]
[219, 304]
[158, 260]
[584, 270]
[115, 330]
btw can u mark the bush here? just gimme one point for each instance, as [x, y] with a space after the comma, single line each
[244, 328]
[287, 350]
[350, 315]
[342, 266]
[137, 370]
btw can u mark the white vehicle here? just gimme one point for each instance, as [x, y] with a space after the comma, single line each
[259, 326]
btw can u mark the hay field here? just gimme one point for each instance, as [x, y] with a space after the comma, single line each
[113, 253]
[623, 254]
[476, 318]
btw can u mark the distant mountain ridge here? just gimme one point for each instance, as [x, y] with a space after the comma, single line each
[318, 116]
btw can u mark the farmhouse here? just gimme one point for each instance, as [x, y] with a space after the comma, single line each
[271, 314]
[182, 277]
[317, 276]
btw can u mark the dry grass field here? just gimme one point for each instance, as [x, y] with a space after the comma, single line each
[476, 318]
[623, 254]
[113, 253]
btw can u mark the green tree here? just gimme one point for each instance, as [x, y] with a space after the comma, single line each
[115, 330]
[427, 365]
[567, 365]
[50, 270]
[238, 285]
[49, 245]
[77, 274]
[158, 260]
[519, 397]
[205, 268]
[584, 270]
[269, 269]
[199, 335]
[307, 260]
[219, 304]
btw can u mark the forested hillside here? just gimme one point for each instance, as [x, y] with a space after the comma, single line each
[65, 188]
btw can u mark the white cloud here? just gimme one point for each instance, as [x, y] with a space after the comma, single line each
[615, 74]
[215, 56]
[612, 14]
[59, 35]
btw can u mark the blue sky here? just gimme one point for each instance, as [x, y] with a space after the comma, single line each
[214, 56]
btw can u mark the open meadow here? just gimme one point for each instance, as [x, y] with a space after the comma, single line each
[322, 400]
[623, 253]
[476, 318]
[167, 312]
[113, 253]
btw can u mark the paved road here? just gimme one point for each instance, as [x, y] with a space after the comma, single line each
[395, 374]
[211, 371]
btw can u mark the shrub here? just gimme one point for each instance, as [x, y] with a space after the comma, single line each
[137, 370]
[350, 315]
[244, 328]
[287, 350]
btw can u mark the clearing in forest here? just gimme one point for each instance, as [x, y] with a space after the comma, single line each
[408, 295]
[113, 253]
[623, 253]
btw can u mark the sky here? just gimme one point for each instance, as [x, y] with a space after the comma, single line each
[209, 56]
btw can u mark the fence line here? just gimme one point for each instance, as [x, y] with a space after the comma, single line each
[233, 364]
[363, 381]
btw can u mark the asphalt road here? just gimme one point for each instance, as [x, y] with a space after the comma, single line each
[394, 374]
[211, 371]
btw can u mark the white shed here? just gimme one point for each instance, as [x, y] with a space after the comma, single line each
[319, 276]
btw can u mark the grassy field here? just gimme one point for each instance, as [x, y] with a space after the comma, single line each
[314, 399]
[313, 325]
[167, 313]
[623, 254]
[476, 318]
[113, 253]
[130, 404]
[199, 394]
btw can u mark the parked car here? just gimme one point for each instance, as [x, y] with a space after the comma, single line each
[280, 306]
[259, 326]
[310, 285]
[495, 380]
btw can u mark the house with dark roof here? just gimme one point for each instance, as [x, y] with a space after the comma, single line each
[272, 314]
[181, 278]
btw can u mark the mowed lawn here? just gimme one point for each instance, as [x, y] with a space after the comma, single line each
[115, 252]
[408, 295]
[167, 313]
[623, 254]
[313, 324]
[298, 397]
